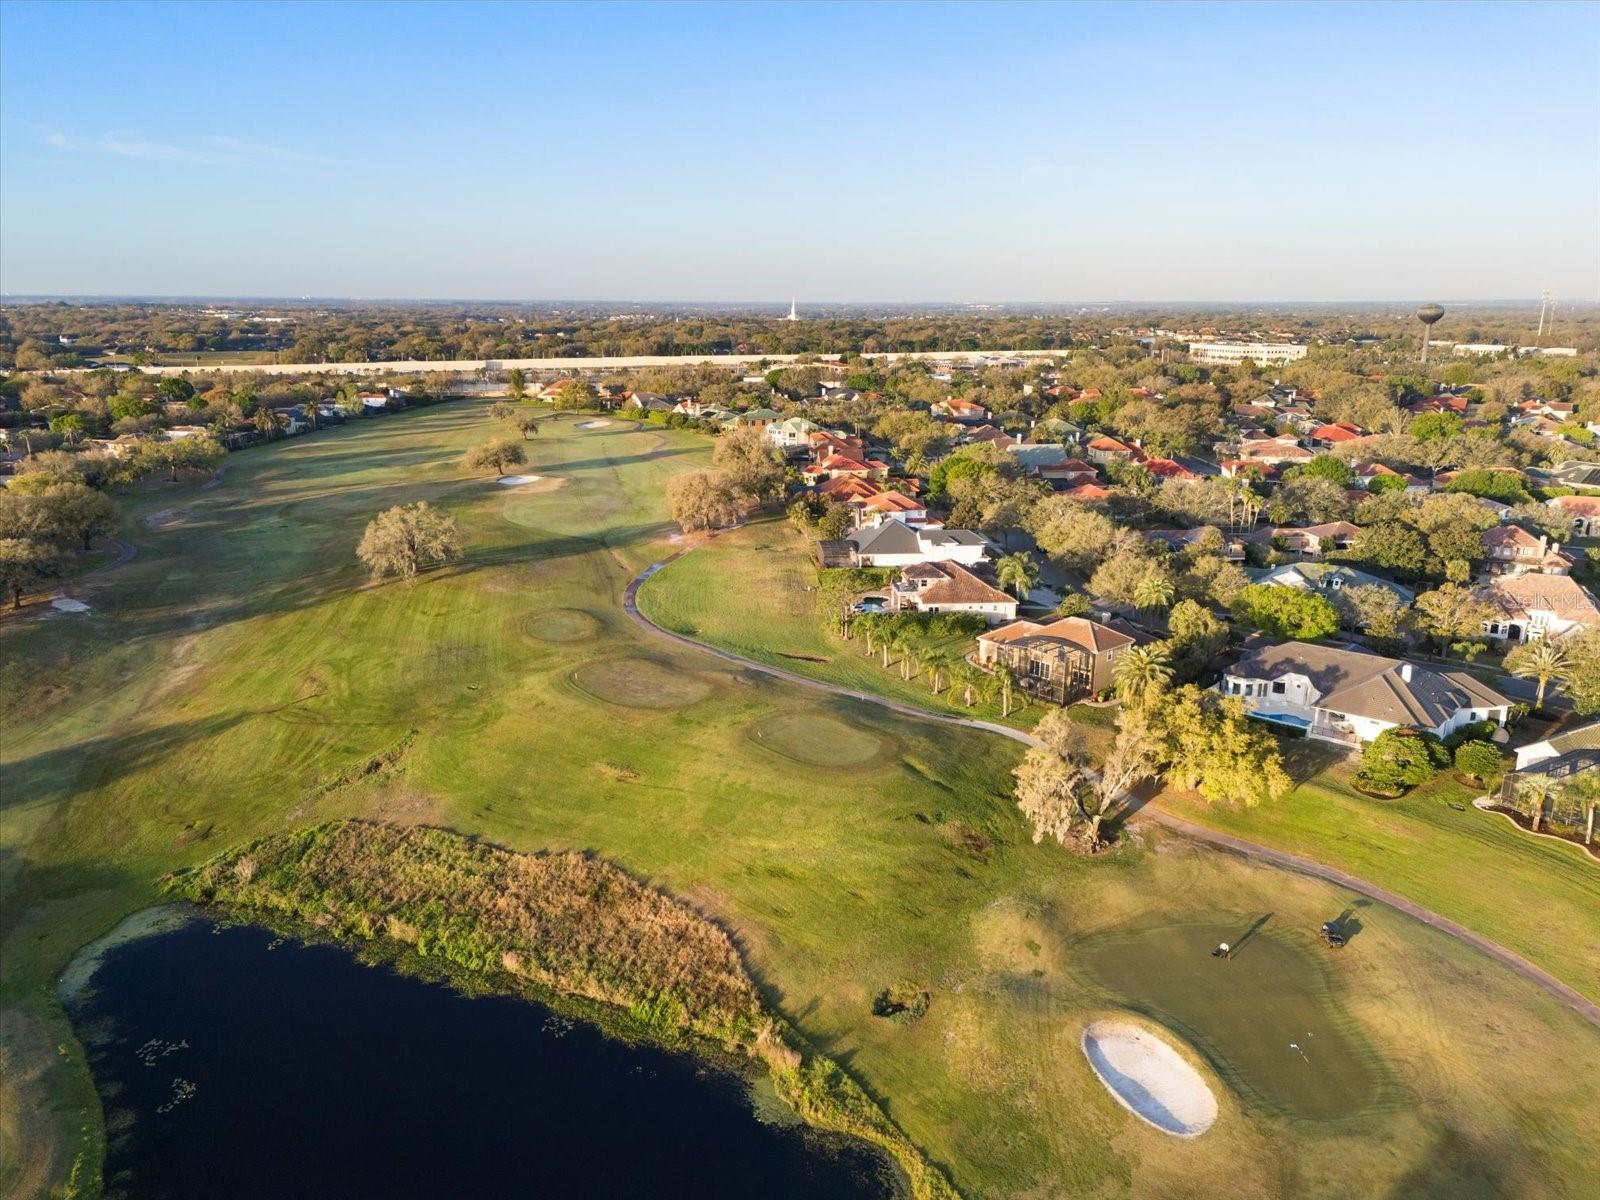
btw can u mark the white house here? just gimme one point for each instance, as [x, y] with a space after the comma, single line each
[942, 587]
[793, 434]
[1537, 607]
[1350, 696]
[893, 543]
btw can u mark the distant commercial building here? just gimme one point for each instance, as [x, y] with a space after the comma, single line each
[1469, 349]
[1262, 353]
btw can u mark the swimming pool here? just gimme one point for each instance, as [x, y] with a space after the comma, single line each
[1288, 719]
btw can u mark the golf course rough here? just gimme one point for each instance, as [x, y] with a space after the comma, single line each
[1149, 1078]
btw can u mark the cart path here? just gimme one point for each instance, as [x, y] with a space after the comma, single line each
[1252, 851]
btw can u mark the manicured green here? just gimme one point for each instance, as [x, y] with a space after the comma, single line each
[240, 677]
[1269, 1018]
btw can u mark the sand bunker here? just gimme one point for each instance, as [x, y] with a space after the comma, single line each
[1149, 1078]
[68, 604]
[593, 424]
[514, 480]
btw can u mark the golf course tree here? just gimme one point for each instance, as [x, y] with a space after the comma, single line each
[526, 424]
[496, 455]
[1286, 612]
[1198, 636]
[1398, 759]
[1208, 745]
[574, 394]
[501, 411]
[50, 508]
[25, 564]
[703, 500]
[1062, 796]
[182, 454]
[407, 539]
[750, 465]
[517, 384]
[1543, 661]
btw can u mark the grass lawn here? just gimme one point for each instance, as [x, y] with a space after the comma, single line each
[1532, 895]
[240, 677]
[751, 591]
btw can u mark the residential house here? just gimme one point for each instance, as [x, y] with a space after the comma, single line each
[1087, 493]
[1565, 754]
[1366, 472]
[826, 441]
[761, 418]
[836, 465]
[1536, 607]
[639, 401]
[849, 489]
[990, 434]
[946, 587]
[1512, 550]
[1104, 448]
[1327, 579]
[792, 435]
[1325, 437]
[965, 412]
[1312, 541]
[1068, 474]
[1351, 696]
[894, 543]
[897, 506]
[1062, 660]
[1232, 545]
[1036, 457]
[1582, 511]
[1279, 451]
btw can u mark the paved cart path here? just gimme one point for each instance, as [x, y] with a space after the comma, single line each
[1147, 813]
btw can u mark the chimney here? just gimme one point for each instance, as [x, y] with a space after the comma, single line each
[1405, 671]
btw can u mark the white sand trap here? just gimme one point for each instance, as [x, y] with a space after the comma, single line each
[68, 604]
[593, 424]
[514, 480]
[1149, 1078]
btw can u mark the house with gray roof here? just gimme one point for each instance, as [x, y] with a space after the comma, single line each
[1350, 696]
[893, 543]
[1327, 579]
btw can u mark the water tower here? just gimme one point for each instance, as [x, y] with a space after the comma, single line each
[1429, 315]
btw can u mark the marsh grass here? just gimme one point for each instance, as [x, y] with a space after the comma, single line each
[566, 923]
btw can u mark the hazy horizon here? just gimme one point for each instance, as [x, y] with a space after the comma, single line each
[744, 155]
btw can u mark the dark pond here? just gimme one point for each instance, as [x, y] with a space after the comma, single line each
[235, 1064]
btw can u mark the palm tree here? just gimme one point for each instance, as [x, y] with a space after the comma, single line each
[1536, 791]
[1142, 671]
[1541, 660]
[867, 625]
[1005, 681]
[935, 662]
[309, 408]
[1153, 591]
[910, 644]
[1585, 790]
[966, 679]
[1018, 572]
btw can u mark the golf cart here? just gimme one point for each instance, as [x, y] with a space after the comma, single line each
[1331, 936]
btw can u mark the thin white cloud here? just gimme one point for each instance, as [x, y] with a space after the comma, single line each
[216, 150]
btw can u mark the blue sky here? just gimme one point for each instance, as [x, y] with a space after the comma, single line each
[834, 152]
